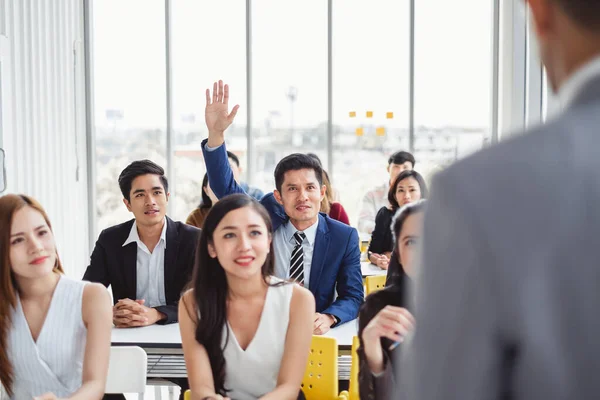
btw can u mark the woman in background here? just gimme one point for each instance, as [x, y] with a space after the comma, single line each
[245, 334]
[54, 331]
[329, 205]
[409, 186]
[385, 317]
[196, 217]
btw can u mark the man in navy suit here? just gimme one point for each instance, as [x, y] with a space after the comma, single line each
[310, 248]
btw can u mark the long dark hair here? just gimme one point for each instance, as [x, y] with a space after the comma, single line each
[210, 284]
[206, 201]
[9, 205]
[402, 176]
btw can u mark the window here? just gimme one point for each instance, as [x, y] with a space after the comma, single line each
[370, 74]
[129, 95]
[289, 83]
[453, 64]
[199, 59]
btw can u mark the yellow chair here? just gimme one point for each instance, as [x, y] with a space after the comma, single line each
[353, 384]
[375, 283]
[187, 395]
[320, 380]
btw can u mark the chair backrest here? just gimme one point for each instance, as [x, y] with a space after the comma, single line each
[127, 370]
[320, 380]
[375, 283]
[353, 384]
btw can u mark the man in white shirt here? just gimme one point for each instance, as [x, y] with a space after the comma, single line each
[148, 260]
[509, 288]
[377, 197]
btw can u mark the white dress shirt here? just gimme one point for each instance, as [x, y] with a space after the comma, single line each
[576, 83]
[150, 267]
[283, 245]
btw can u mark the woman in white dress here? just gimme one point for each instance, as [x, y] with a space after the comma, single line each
[54, 331]
[245, 334]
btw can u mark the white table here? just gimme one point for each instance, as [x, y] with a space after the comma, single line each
[369, 269]
[162, 343]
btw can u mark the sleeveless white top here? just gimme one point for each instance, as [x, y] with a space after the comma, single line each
[54, 363]
[252, 373]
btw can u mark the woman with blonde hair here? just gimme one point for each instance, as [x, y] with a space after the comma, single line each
[54, 331]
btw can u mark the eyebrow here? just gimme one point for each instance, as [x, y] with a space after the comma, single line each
[143, 191]
[409, 237]
[235, 227]
[21, 233]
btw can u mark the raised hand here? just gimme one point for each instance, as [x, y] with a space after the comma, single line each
[217, 115]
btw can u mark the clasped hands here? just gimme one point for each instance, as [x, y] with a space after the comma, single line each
[129, 313]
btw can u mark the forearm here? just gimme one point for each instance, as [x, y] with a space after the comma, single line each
[90, 390]
[283, 392]
[215, 139]
[202, 392]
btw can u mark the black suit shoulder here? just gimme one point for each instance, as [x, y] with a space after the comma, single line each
[116, 233]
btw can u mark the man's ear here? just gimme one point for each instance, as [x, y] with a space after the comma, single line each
[323, 191]
[211, 251]
[277, 196]
[127, 204]
[168, 195]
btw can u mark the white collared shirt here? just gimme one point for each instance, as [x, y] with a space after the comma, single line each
[283, 245]
[150, 268]
[575, 84]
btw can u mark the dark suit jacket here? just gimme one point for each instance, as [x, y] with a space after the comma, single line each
[115, 265]
[336, 257]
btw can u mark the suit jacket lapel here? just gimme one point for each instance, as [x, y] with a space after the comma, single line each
[320, 252]
[171, 252]
[129, 269]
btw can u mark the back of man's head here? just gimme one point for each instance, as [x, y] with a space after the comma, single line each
[400, 157]
[295, 162]
[585, 13]
[568, 35]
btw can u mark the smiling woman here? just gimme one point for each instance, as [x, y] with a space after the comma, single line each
[46, 319]
[245, 333]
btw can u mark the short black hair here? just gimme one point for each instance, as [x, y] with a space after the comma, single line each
[295, 162]
[316, 157]
[585, 12]
[400, 157]
[233, 158]
[139, 168]
[402, 176]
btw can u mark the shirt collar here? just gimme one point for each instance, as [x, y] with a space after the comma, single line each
[575, 84]
[135, 237]
[310, 232]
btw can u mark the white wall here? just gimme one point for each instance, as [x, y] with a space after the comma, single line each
[46, 146]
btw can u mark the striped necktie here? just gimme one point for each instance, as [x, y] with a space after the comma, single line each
[297, 260]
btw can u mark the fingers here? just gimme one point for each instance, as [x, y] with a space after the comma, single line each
[233, 113]
[131, 314]
[214, 95]
[221, 92]
[226, 95]
[207, 97]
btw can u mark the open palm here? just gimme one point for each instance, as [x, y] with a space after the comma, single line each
[217, 115]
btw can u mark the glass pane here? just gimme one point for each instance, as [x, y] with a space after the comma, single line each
[289, 83]
[370, 74]
[198, 61]
[453, 64]
[129, 95]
